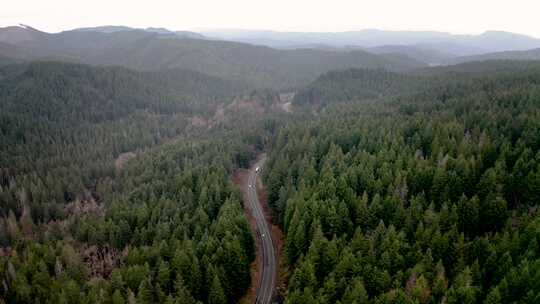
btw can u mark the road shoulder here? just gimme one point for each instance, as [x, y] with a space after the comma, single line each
[240, 179]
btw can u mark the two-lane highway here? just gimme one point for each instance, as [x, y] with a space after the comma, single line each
[268, 265]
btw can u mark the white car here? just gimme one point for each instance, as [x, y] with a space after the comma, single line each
[257, 169]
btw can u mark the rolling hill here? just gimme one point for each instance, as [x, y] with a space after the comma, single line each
[361, 84]
[255, 66]
[389, 200]
[353, 84]
[80, 143]
[108, 29]
[533, 54]
[457, 45]
[422, 54]
[93, 114]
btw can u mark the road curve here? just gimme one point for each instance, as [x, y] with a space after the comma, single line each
[265, 290]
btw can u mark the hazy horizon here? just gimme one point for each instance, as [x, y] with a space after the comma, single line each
[301, 16]
[232, 29]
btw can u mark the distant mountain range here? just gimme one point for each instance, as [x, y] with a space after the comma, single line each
[153, 49]
[162, 31]
[445, 44]
[427, 55]
[284, 60]
[533, 54]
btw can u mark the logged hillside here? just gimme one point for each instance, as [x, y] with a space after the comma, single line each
[255, 66]
[427, 198]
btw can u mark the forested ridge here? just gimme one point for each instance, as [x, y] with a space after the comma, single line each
[353, 85]
[252, 65]
[62, 125]
[167, 226]
[417, 187]
[429, 197]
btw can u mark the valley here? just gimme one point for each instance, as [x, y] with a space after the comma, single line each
[143, 165]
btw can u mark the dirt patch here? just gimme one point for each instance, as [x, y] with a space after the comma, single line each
[286, 107]
[219, 116]
[286, 100]
[287, 96]
[246, 104]
[122, 159]
[198, 121]
[89, 206]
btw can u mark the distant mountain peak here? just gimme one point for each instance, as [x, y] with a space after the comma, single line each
[19, 34]
[180, 34]
[105, 29]
[159, 30]
[108, 29]
[20, 27]
[28, 27]
[495, 33]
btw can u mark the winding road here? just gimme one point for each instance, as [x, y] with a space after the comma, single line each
[268, 265]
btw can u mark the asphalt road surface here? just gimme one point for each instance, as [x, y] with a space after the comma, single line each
[268, 265]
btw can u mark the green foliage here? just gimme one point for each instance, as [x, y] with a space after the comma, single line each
[164, 228]
[423, 194]
[417, 189]
[354, 84]
[63, 125]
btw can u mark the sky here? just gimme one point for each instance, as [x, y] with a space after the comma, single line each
[457, 16]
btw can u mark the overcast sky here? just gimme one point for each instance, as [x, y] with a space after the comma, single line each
[456, 16]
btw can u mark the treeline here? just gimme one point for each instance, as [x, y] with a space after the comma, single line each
[252, 65]
[429, 197]
[363, 84]
[63, 125]
[353, 84]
